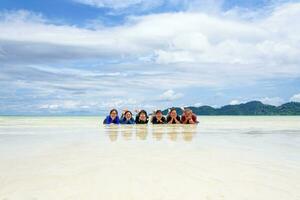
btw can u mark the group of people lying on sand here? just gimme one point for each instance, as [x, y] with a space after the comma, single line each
[188, 117]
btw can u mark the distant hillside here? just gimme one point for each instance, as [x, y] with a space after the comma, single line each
[250, 108]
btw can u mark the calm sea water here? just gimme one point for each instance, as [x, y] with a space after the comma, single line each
[79, 158]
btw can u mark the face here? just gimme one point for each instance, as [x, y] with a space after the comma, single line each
[173, 113]
[158, 115]
[189, 114]
[128, 115]
[113, 114]
[142, 117]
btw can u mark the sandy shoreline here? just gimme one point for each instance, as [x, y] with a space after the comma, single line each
[76, 158]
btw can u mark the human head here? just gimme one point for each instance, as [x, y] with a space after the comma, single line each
[143, 115]
[128, 115]
[113, 113]
[188, 112]
[158, 114]
[173, 112]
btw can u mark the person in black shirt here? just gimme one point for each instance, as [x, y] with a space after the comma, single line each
[173, 118]
[158, 118]
[141, 117]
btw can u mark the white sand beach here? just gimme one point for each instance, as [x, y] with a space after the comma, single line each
[233, 158]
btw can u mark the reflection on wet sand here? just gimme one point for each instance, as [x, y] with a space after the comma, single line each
[158, 132]
[141, 132]
[173, 131]
[127, 132]
[112, 132]
[188, 132]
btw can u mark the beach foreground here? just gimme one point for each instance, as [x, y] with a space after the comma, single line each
[221, 158]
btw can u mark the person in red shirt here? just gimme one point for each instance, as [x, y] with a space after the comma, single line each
[188, 117]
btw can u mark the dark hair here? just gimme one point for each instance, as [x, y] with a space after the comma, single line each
[172, 109]
[112, 110]
[137, 118]
[127, 112]
[143, 111]
[158, 111]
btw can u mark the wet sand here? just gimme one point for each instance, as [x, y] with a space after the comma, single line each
[79, 158]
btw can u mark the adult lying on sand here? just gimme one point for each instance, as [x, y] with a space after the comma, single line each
[141, 117]
[127, 118]
[173, 117]
[112, 118]
[188, 117]
[158, 118]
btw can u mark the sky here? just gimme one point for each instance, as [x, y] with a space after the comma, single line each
[65, 57]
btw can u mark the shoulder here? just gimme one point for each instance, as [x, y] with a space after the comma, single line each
[106, 120]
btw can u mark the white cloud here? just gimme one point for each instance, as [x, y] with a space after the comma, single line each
[211, 6]
[234, 102]
[146, 55]
[121, 4]
[65, 105]
[257, 49]
[21, 16]
[275, 101]
[116, 4]
[121, 103]
[295, 98]
[170, 95]
[198, 104]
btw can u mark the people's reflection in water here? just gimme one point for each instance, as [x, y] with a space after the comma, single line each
[188, 132]
[112, 131]
[126, 131]
[173, 131]
[141, 131]
[157, 132]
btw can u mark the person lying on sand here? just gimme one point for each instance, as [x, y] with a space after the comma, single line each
[188, 117]
[112, 118]
[173, 117]
[158, 118]
[141, 117]
[127, 118]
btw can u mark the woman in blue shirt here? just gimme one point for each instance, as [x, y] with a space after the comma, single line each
[112, 118]
[127, 118]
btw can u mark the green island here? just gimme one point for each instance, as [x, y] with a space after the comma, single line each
[249, 108]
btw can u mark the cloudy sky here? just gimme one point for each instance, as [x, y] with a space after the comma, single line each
[88, 56]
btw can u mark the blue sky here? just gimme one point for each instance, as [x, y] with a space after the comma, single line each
[88, 56]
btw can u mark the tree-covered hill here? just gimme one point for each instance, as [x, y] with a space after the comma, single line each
[250, 108]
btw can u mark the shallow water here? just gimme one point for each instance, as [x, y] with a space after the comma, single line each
[79, 158]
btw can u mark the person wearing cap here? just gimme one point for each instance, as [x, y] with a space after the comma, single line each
[112, 118]
[141, 117]
[188, 117]
[158, 118]
[127, 118]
